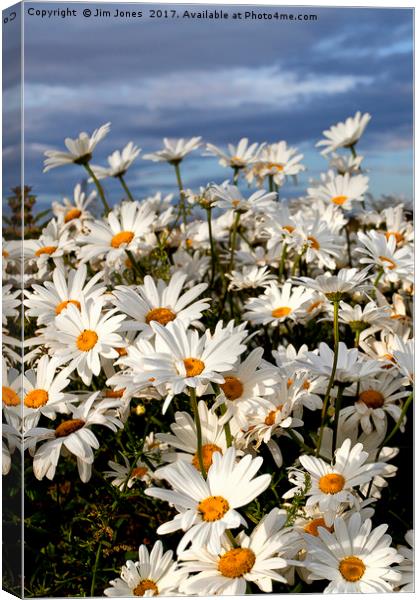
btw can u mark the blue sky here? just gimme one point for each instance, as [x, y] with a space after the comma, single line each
[267, 80]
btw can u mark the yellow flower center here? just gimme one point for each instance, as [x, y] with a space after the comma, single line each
[161, 315]
[270, 419]
[5, 254]
[276, 166]
[144, 586]
[313, 242]
[339, 200]
[281, 311]
[331, 483]
[36, 398]
[139, 472]
[193, 366]
[388, 262]
[289, 228]
[62, 305]
[121, 351]
[67, 427]
[213, 508]
[87, 340]
[313, 306]
[9, 396]
[236, 562]
[46, 250]
[114, 393]
[399, 237]
[207, 452]
[352, 568]
[124, 237]
[313, 526]
[235, 203]
[73, 213]
[232, 387]
[372, 398]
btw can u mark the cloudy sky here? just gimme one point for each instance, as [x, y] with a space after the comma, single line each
[267, 80]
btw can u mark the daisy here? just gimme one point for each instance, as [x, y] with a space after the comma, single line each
[376, 249]
[351, 364]
[53, 244]
[184, 438]
[277, 161]
[184, 359]
[174, 151]
[404, 358]
[406, 567]
[154, 574]
[397, 225]
[119, 162]
[340, 190]
[80, 149]
[74, 213]
[11, 439]
[123, 229]
[229, 197]
[332, 485]
[84, 336]
[236, 157]
[43, 391]
[208, 508]
[355, 558]
[245, 386]
[365, 320]
[376, 398]
[67, 287]
[257, 558]
[10, 302]
[160, 302]
[251, 277]
[334, 287]
[276, 304]
[344, 135]
[314, 240]
[11, 395]
[124, 477]
[72, 436]
[345, 164]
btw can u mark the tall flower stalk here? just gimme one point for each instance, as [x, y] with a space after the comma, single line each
[194, 407]
[98, 187]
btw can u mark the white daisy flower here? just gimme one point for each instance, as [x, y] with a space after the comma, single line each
[315, 240]
[207, 508]
[404, 358]
[123, 476]
[72, 436]
[364, 320]
[229, 197]
[53, 243]
[119, 162]
[257, 558]
[245, 386]
[11, 439]
[11, 300]
[184, 359]
[123, 229]
[154, 574]
[183, 438]
[80, 149]
[193, 265]
[355, 558]
[406, 567]
[67, 287]
[334, 287]
[344, 134]
[332, 486]
[278, 161]
[351, 364]
[251, 277]
[376, 398]
[397, 225]
[174, 151]
[276, 304]
[74, 213]
[236, 157]
[11, 395]
[376, 249]
[345, 164]
[340, 190]
[83, 337]
[160, 302]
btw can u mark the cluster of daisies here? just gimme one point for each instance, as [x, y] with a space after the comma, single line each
[199, 302]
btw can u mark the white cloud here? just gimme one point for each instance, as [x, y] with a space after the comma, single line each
[225, 88]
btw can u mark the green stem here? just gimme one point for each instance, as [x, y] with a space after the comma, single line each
[346, 228]
[337, 415]
[332, 376]
[282, 261]
[400, 420]
[226, 427]
[194, 406]
[98, 187]
[231, 538]
[271, 183]
[127, 191]
[356, 338]
[235, 175]
[353, 151]
[212, 248]
[95, 568]
[181, 194]
[234, 235]
[135, 264]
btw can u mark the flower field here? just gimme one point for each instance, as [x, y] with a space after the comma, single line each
[216, 396]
